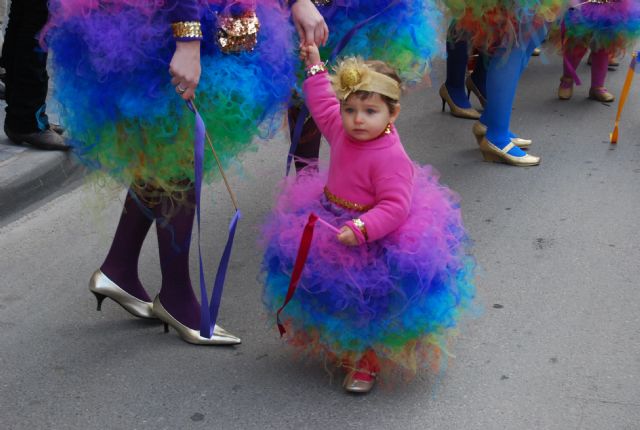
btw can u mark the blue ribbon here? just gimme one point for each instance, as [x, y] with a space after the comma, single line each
[304, 111]
[209, 310]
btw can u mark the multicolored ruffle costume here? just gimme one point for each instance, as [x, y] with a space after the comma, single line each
[612, 25]
[502, 24]
[110, 70]
[405, 35]
[401, 296]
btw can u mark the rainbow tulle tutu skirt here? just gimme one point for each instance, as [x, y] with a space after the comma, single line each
[613, 26]
[110, 70]
[503, 24]
[405, 35]
[401, 297]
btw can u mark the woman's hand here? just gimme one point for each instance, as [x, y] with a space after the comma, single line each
[310, 55]
[309, 23]
[347, 236]
[185, 68]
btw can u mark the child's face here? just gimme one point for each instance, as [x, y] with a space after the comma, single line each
[366, 119]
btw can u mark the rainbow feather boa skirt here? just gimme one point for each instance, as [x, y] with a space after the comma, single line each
[402, 296]
[110, 70]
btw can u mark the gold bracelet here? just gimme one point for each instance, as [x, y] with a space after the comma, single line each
[187, 30]
[315, 69]
[363, 229]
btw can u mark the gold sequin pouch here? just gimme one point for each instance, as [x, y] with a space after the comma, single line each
[237, 33]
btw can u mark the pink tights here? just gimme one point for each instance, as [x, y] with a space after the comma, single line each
[599, 64]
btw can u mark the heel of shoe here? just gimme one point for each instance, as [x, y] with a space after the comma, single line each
[444, 103]
[479, 131]
[491, 157]
[166, 327]
[100, 298]
[472, 88]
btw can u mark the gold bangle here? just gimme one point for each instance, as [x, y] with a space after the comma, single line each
[187, 30]
[360, 225]
[315, 69]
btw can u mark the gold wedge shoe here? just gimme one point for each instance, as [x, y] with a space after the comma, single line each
[361, 386]
[220, 335]
[480, 131]
[492, 153]
[467, 113]
[601, 94]
[473, 88]
[102, 287]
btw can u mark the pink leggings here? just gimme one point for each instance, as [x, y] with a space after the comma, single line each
[599, 64]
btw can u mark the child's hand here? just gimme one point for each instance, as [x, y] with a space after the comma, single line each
[310, 54]
[347, 237]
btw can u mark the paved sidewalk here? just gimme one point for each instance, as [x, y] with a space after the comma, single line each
[29, 176]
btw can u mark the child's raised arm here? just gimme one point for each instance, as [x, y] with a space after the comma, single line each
[319, 96]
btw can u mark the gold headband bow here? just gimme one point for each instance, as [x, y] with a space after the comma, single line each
[352, 75]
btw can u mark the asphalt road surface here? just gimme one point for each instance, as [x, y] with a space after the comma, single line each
[555, 343]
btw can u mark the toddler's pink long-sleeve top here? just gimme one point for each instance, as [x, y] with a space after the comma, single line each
[376, 173]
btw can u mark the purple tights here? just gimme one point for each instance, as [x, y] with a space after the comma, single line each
[121, 264]
[174, 239]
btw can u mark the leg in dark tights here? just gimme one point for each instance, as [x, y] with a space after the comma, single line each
[308, 148]
[457, 57]
[479, 75]
[174, 240]
[121, 264]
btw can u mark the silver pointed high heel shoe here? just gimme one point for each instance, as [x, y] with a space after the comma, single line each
[102, 287]
[220, 335]
[480, 131]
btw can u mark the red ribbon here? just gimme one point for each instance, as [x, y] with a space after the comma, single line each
[301, 259]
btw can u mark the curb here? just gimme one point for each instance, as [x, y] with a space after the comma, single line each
[28, 176]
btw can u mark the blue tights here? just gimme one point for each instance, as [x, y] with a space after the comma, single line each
[503, 74]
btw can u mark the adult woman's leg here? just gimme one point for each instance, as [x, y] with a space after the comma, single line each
[118, 275]
[503, 74]
[452, 92]
[308, 148]
[174, 226]
[477, 81]
[121, 263]
[177, 305]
